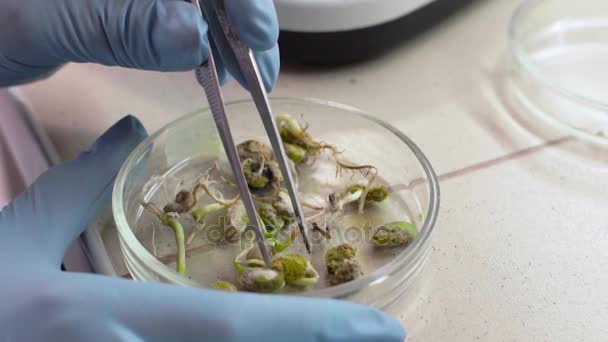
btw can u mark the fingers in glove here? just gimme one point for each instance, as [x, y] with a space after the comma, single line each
[13, 72]
[267, 58]
[159, 35]
[88, 305]
[269, 65]
[257, 25]
[222, 72]
[255, 22]
[144, 34]
[45, 219]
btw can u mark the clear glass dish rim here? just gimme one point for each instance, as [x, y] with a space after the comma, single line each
[528, 67]
[518, 16]
[403, 258]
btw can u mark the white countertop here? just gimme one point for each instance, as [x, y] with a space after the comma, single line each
[519, 251]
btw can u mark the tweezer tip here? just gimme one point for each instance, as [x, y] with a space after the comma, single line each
[305, 238]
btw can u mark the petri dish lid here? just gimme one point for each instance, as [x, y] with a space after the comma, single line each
[560, 51]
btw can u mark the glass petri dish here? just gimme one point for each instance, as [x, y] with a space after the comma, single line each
[560, 48]
[162, 161]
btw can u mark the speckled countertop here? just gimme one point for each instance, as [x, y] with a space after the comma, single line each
[519, 252]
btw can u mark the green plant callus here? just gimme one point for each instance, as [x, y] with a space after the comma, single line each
[271, 217]
[256, 178]
[254, 150]
[342, 264]
[399, 233]
[274, 171]
[296, 269]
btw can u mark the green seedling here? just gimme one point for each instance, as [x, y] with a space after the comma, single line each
[225, 286]
[296, 153]
[171, 220]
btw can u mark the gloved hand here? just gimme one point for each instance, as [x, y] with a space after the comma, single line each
[40, 302]
[38, 36]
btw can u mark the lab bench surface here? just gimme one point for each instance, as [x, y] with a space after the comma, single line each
[518, 252]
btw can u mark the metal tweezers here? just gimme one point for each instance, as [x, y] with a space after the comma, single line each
[207, 77]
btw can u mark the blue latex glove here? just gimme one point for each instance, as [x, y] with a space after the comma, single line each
[38, 36]
[40, 302]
